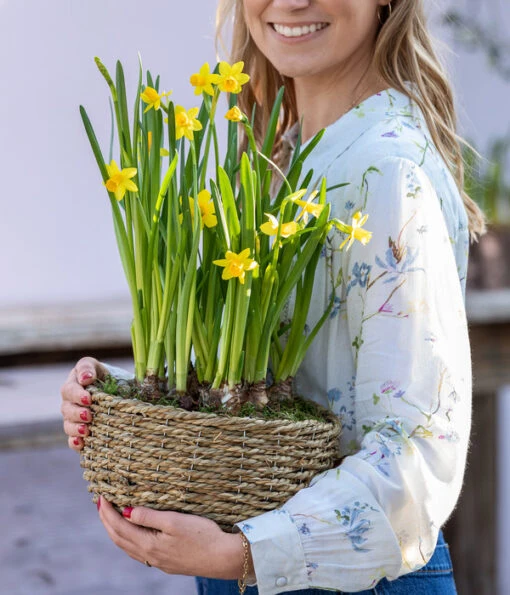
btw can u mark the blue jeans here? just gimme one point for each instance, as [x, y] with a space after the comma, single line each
[436, 578]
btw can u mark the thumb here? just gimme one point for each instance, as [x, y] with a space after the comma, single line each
[88, 370]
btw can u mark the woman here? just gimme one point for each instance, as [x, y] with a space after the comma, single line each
[393, 359]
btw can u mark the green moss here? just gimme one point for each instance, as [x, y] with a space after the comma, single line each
[295, 409]
[109, 385]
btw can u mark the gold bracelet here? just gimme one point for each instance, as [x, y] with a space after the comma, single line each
[241, 583]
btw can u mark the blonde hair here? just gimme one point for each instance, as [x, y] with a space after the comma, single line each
[403, 52]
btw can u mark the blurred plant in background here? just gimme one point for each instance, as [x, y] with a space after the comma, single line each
[485, 180]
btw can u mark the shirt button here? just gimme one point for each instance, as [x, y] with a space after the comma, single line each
[281, 581]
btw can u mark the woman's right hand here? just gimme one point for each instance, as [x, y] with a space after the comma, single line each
[76, 400]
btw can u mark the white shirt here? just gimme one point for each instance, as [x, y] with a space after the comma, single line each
[392, 361]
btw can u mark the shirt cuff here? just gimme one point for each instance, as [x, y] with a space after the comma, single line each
[277, 552]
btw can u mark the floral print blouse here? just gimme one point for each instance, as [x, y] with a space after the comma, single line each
[392, 361]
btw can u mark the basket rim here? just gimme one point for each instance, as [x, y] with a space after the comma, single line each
[330, 421]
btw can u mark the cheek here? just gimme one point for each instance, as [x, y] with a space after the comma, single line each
[253, 10]
[253, 17]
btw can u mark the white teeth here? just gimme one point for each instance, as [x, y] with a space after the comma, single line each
[298, 31]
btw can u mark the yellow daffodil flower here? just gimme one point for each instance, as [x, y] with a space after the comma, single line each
[153, 98]
[234, 114]
[270, 228]
[236, 265]
[308, 207]
[119, 181]
[186, 122]
[355, 231]
[232, 78]
[203, 80]
[206, 206]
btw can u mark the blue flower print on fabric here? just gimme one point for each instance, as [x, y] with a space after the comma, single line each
[359, 276]
[337, 304]
[334, 395]
[356, 527]
[395, 264]
[385, 448]
[347, 417]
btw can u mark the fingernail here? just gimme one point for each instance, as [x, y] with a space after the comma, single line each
[127, 512]
[98, 504]
[84, 415]
[76, 442]
[82, 429]
[86, 376]
[85, 400]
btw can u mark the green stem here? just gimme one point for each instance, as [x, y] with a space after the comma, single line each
[208, 138]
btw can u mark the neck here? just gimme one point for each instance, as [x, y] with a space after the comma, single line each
[323, 99]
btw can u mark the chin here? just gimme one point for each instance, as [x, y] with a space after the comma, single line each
[293, 70]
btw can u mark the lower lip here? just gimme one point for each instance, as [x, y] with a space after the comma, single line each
[300, 37]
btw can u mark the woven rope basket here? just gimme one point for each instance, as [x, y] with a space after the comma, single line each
[225, 468]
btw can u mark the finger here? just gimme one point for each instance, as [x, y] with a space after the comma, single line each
[121, 527]
[88, 370]
[73, 392]
[127, 545]
[75, 443]
[76, 430]
[75, 414]
[152, 519]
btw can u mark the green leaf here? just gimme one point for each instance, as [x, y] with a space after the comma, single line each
[125, 134]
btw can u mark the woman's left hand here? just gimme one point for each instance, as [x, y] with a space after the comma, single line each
[175, 543]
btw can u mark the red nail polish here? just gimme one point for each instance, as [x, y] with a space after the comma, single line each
[127, 512]
[86, 376]
[85, 400]
[76, 442]
[82, 429]
[84, 415]
[99, 503]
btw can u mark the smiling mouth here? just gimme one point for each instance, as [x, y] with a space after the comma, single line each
[287, 31]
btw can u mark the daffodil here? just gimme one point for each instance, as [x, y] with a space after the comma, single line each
[232, 78]
[308, 207]
[234, 114]
[186, 122]
[206, 206]
[203, 80]
[355, 231]
[153, 98]
[270, 228]
[236, 265]
[119, 181]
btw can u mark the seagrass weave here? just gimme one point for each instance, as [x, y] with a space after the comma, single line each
[225, 468]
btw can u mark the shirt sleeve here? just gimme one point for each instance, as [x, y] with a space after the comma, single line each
[118, 373]
[379, 513]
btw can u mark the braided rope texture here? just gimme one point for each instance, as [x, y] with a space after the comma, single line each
[225, 468]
